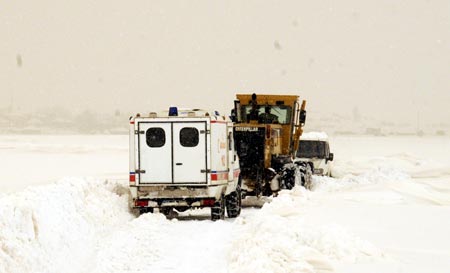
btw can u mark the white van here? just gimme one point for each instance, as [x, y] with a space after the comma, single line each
[315, 149]
[184, 159]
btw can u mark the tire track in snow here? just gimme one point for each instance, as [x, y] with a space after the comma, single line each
[151, 243]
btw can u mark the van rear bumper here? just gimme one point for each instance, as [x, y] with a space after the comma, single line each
[170, 196]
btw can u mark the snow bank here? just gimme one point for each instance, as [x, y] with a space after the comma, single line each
[374, 176]
[402, 186]
[79, 225]
[276, 239]
[54, 228]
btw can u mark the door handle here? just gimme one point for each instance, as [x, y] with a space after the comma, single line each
[178, 164]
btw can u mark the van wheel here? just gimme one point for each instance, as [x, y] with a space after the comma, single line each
[234, 203]
[166, 211]
[145, 210]
[218, 210]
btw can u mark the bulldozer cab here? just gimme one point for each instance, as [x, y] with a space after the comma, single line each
[280, 115]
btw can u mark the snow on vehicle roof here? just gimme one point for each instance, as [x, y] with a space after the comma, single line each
[314, 136]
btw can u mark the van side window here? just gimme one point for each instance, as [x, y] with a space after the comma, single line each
[189, 137]
[156, 137]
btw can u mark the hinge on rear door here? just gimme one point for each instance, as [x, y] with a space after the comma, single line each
[140, 171]
[205, 171]
[203, 132]
[138, 132]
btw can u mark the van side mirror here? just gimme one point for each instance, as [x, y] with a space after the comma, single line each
[330, 157]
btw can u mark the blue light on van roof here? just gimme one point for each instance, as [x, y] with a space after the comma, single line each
[173, 111]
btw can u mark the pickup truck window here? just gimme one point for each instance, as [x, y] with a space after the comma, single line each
[312, 149]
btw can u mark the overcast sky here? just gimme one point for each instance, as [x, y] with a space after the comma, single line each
[389, 58]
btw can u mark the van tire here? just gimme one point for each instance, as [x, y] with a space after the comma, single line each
[218, 210]
[234, 203]
[145, 210]
[166, 211]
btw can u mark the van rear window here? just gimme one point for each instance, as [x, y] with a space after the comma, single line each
[156, 137]
[189, 137]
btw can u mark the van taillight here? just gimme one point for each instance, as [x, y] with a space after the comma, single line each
[208, 202]
[132, 177]
[141, 203]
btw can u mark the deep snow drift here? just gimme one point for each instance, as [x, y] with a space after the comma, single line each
[89, 222]
[386, 212]
[55, 228]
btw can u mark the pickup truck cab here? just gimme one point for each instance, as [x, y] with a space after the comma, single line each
[315, 149]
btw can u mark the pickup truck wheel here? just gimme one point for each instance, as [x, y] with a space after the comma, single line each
[308, 177]
[218, 210]
[233, 203]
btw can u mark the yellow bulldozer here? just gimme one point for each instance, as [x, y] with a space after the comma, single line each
[267, 129]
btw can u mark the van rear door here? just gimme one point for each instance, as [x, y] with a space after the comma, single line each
[155, 153]
[189, 152]
[172, 152]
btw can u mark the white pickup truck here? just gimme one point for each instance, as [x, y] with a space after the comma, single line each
[184, 159]
[315, 149]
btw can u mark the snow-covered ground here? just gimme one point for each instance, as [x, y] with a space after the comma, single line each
[387, 211]
[35, 159]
